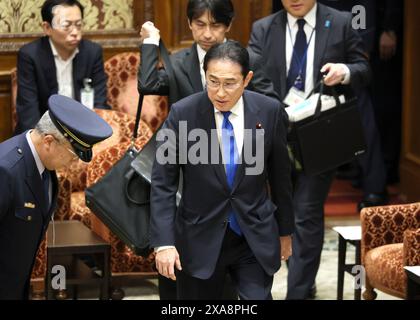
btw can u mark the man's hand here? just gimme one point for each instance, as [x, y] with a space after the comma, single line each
[166, 260]
[286, 247]
[336, 73]
[387, 45]
[148, 30]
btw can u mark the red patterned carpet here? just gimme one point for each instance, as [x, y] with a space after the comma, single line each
[343, 198]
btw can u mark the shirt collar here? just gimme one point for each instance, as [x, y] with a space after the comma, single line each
[310, 18]
[237, 108]
[38, 161]
[202, 54]
[56, 55]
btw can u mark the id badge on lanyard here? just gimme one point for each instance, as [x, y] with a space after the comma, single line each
[295, 94]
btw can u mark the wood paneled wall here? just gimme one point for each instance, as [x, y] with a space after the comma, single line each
[410, 161]
[170, 17]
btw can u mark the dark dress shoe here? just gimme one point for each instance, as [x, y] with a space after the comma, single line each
[373, 200]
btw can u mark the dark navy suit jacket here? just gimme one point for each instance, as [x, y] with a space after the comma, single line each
[186, 78]
[37, 79]
[198, 226]
[336, 42]
[24, 216]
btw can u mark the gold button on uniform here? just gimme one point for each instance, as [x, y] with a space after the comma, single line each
[29, 218]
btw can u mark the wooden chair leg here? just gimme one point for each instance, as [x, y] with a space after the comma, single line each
[369, 293]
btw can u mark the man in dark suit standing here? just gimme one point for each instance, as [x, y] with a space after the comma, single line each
[372, 174]
[226, 222]
[29, 188]
[60, 62]
[209, 22]
[298, 44]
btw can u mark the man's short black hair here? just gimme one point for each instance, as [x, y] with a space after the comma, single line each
[229, 50]
[221, 10]
[47, 8]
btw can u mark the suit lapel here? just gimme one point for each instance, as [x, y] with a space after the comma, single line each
[48, 65]
[33, 179]
[208, 123]
[54, 182]
[78, 71]
[322, 35]
[278, 41]
[250, 123]
[193, 69]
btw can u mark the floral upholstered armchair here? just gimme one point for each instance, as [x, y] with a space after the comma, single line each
[390, 241]
[123, 94]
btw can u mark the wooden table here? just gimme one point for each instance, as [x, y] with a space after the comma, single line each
[413, 282]
[68, 245]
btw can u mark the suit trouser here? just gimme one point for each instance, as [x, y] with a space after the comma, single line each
[237, 259]
[168, 289]
[310, 193]
[372, 161]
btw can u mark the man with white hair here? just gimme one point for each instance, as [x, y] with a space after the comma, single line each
[29, 187]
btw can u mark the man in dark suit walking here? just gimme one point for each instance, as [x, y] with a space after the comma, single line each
[209, 22]
[226, 222]
[298, 44]
[60, 62]
[29, 187]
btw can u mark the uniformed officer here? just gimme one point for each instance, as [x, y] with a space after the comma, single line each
[28, 184]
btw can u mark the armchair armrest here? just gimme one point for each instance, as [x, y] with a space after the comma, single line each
[411, 252]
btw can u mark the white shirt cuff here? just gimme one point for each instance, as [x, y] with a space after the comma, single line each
[157, 249]
[151, 40]
[346, 79]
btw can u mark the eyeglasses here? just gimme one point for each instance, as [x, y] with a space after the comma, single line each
[228, 86]
[74, 155]
[67, 26]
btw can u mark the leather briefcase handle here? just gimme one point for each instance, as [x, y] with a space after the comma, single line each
[321, 86]
[129, 178]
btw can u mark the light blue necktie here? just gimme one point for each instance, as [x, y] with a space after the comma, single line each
[231, 158]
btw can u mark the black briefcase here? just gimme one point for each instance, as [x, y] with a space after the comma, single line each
[121, 200]
[327, 139]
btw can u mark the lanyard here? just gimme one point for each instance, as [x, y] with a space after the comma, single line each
[306, 50]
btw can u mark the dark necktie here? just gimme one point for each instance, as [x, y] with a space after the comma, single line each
[46, 184]
[231, 157]
[297, 71]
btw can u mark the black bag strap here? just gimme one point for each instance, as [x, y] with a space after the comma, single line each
[136, 126]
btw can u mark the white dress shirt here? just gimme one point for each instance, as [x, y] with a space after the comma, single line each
[310, 25]
[64, 70]
[39, 165]
[237, 119]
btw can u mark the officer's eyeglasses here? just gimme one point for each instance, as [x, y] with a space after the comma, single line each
[74, 155]
[67, 26]
[228, 86]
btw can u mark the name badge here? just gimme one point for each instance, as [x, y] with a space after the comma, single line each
[294, 96]
[29, 205]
